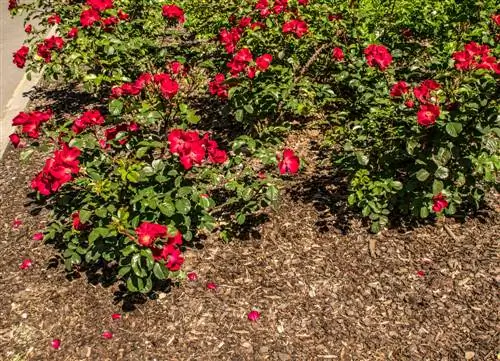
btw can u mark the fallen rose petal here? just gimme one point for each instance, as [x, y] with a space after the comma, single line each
[17, 223]
[38, 236]
[253, 315]
[421, 273]
[27, 263]
[108, 335]
[211, 286]
[116, 316]
[56, 344]
[192, 276]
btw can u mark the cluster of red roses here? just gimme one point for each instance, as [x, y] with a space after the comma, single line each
[30, 123]
[173, 12]
[192, 150]
[475, 56]
[89, 17]
[148, 233]
[58, 170]
[429, 111]
[44, 50]
[87, 119]
[218, 87]
[295, 26]
[167, 85]
[242, 60]
[230, 38]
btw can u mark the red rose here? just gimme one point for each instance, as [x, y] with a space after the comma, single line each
[399, 89]
[73, 33]
[423, 91]
[217, 87]
[338, 54]
[378, 55]
[244, 22]
[12, 4]
[298, 27]
[289, 163]
[173, 12]
[15, 140]
[496, 19]
[100, 5]
[264, 61]
[89, 17]
[54, 19]
[440, 203]
[19, 57]
[168, 87]
[280, 6]
[77, 224]
[334, 17]
[427, 114]
[28, 28]
[87, 119]
[244, 55]
[148, 232]
[229, 39]
[410, 103]
[123, 15]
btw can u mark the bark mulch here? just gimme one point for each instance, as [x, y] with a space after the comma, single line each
[323, 295]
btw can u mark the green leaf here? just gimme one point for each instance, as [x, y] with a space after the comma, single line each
[115, 107]
[422, 175]
[424, 212]
[441, 172]
[123, 271]
[167, 208]
[85, 215]
[453, 129]
[437, 187]
[183, 205]
[239, 115]
[133, 176]
[248, 108]
[240, 218]
[362, 158]
[160, 271]
[136, 266]
[272, 193]
[141, 152]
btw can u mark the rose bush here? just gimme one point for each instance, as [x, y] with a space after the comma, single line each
[197, 96]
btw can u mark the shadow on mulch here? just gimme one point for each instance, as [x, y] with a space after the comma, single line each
[63, 100]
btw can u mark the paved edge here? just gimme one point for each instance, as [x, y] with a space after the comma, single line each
[17, 103]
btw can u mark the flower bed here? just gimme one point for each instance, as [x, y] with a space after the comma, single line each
[197, 97]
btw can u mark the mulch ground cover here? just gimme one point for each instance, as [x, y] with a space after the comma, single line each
[325, 291]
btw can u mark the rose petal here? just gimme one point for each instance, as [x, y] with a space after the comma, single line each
[17, 223]
[116, 316]
[27, 263]
[253, 315]
[38, 236]
[56, 344]
[421, 273]
[192, 276]
[211, 286]
[108, 335]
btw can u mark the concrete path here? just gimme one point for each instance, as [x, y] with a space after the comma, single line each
[13, 84]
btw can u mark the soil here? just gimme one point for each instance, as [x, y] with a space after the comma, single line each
[326, 288]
